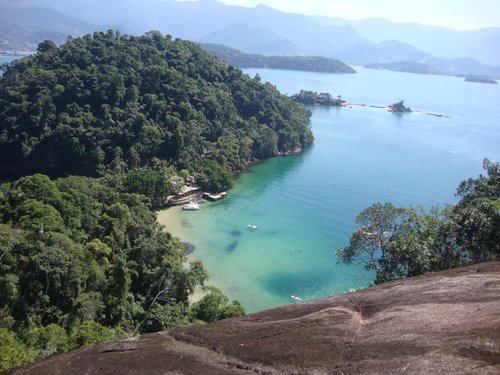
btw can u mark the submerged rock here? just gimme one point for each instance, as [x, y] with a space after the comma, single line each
[189, 248]
[442, 323]
[235, 233]
[232, 246]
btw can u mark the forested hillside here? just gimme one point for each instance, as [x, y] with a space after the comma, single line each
[112, 102]
[81, 263]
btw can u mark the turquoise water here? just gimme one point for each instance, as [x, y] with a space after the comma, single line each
[8, 58]
[305, 205]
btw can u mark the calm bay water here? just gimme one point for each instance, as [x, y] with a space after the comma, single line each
[305, 205]
[8, 58]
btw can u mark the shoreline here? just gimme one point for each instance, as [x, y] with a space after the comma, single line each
[173, 222]
[170, 219]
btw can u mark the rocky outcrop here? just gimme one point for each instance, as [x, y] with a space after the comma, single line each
[446, 322]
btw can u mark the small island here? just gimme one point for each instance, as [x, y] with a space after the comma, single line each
[480, 79]
[312, 98]
[399, 107]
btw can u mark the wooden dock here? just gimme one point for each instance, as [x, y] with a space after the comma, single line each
[214, 197]
[188, 194]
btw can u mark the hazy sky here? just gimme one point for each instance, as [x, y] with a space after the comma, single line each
[458, 14]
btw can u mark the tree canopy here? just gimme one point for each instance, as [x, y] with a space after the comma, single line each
[399, 107]
[82, 263]
[312, 97]
[114, 102]
[398, 242]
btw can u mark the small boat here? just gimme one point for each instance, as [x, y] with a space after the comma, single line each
[296, 298]
[191, 206]
[252, 226]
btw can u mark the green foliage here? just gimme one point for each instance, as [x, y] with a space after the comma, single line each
[399, 107]
[110, 103]
[215, 177]
[39, 216]
[91, 333]
[477, 215]
[166, 318]
[79, 257]
[48, 340]
[307, 63]
[402, 242]
[12, 351]
[155, 185]
[215, 306]
[312, 97]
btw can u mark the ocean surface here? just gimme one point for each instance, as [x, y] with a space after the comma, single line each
[8, 58]
[305, 205]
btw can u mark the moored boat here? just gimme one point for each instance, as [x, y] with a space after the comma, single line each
[191, 206]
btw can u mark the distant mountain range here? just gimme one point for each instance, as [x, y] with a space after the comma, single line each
[481, 44]
[261, 30]
[25, 23]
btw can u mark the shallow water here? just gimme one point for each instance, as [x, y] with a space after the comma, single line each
[304, 205]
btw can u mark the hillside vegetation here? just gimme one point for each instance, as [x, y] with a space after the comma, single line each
[113, 102]
[81, 264]
[400, 242]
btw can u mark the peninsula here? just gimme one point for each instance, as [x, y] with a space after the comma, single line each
[304, 63]
[405, 67]
[110, 103]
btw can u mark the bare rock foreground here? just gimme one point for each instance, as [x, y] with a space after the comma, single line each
[445, 322]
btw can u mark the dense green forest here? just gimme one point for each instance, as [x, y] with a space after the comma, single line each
[399, 242]
[111, 102]
[307, 63]
[82, 263]
[312, 98]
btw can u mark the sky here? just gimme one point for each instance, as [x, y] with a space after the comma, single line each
[456, 14]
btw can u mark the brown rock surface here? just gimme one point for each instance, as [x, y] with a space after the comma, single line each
[446, 322]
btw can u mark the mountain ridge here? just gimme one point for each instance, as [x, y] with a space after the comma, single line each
[267, 31]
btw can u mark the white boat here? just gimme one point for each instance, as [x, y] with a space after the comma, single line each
[296, 298]
[251, 226]
[191, 206]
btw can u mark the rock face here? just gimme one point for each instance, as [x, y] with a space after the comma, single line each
[446, 322]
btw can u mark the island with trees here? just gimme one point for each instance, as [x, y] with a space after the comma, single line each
[314, 98]
[305, 63]
[399, 107]
[480, 79]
